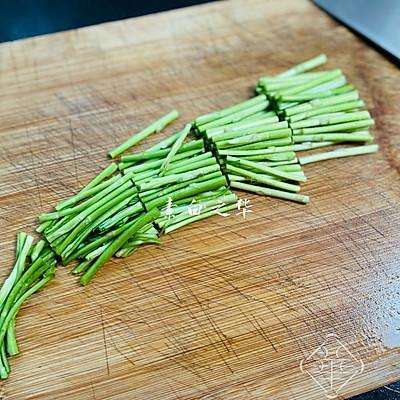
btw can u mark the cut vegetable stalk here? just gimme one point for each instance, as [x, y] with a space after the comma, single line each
[155, 127]
[175, 147]
[347, 152]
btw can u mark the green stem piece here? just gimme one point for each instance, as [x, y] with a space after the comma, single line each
[37, 249]
[249, 131]
[81, 267]
[311, 84]
[328, 101]
[178, 178]
[265, 169]
[229, 110]
[350, 105]
[346, 126]
[147, 155]
[240, 126]
[108, 171]
[271, 192]
[174, 149]
[330, 119]
[304, 66]
[235, 117]
[83, 194]
[264, 179]
[155, 127]
[253, 138]
[165, 143]
[11, 341]
[339, 153]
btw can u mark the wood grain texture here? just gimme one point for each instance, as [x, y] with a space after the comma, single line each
[225, 308]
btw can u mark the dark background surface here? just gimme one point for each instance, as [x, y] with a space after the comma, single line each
[26, 18]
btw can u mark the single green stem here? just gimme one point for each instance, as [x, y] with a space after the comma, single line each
[155, 164]
[258, 115]
[330, 86]
[186, 167]
[11, 340]
[346, 126]
[263, 144]
[4, 360]
[289, 167]
[178, 178]
[117, 218]
[295, 79]
[272, 157]
[37, 249]
[147, 155]
[108, 171]
[347, 152]
[271, 84]
[155, 127]
[265, 169]
[81, 267]
[235, 117]
[174, 149]
[312, 84]
[250, 131]
[264, 179]
[271, 192]
[21, 237]
[350, 105]
[304, 66]
[229, 110]
[328, 119]
[329, 101]
[96, 253]
[240, 126]
[83, 194]
[116, 244]
[43, 226]
[318, 94]
[255, 137]
[165, 143]
[16, 271]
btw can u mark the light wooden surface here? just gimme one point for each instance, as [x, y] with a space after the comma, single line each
[226, 308]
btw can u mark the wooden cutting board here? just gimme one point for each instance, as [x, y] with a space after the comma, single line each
[226, 308]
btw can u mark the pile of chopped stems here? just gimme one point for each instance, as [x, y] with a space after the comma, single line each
[320, 107]
[33, 269]
[130, 203]
[257, 151]
[251, 146]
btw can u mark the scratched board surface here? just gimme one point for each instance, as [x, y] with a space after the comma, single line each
[225, 308]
